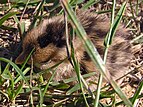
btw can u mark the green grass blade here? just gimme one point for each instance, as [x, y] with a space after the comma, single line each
[16, 68]
[23, 65]
[73, 2]
[96, 103]
[77, 69]
[114, 26]
[33, 24]
[138, 92]
[45, 89]
[105, 56]
[89, 3]
[5, 17]
[92, 51]
[84, 76]
[20, 77]
[41, 97]
[18, 90]
[5, 72]
[73, 89]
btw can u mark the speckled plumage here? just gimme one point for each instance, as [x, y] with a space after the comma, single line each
[49, 41]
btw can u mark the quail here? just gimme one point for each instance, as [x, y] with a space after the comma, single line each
[49, 41]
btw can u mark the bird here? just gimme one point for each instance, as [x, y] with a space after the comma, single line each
[49, 42]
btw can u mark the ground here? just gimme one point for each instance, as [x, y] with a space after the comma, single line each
[133, 18]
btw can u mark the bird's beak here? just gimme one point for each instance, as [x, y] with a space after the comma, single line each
[21, 58]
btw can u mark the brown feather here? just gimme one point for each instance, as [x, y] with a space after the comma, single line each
[49, 41]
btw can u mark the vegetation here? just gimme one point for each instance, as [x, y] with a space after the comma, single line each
[21, 85]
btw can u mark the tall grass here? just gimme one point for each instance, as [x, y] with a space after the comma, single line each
[15, 83]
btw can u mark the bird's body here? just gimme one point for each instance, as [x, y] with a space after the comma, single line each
[49, 41]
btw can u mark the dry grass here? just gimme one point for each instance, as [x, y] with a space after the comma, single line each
[10, 43]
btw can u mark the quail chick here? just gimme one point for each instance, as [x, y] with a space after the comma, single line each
[49, 41]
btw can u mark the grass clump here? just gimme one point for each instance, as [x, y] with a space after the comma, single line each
[18, 88]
